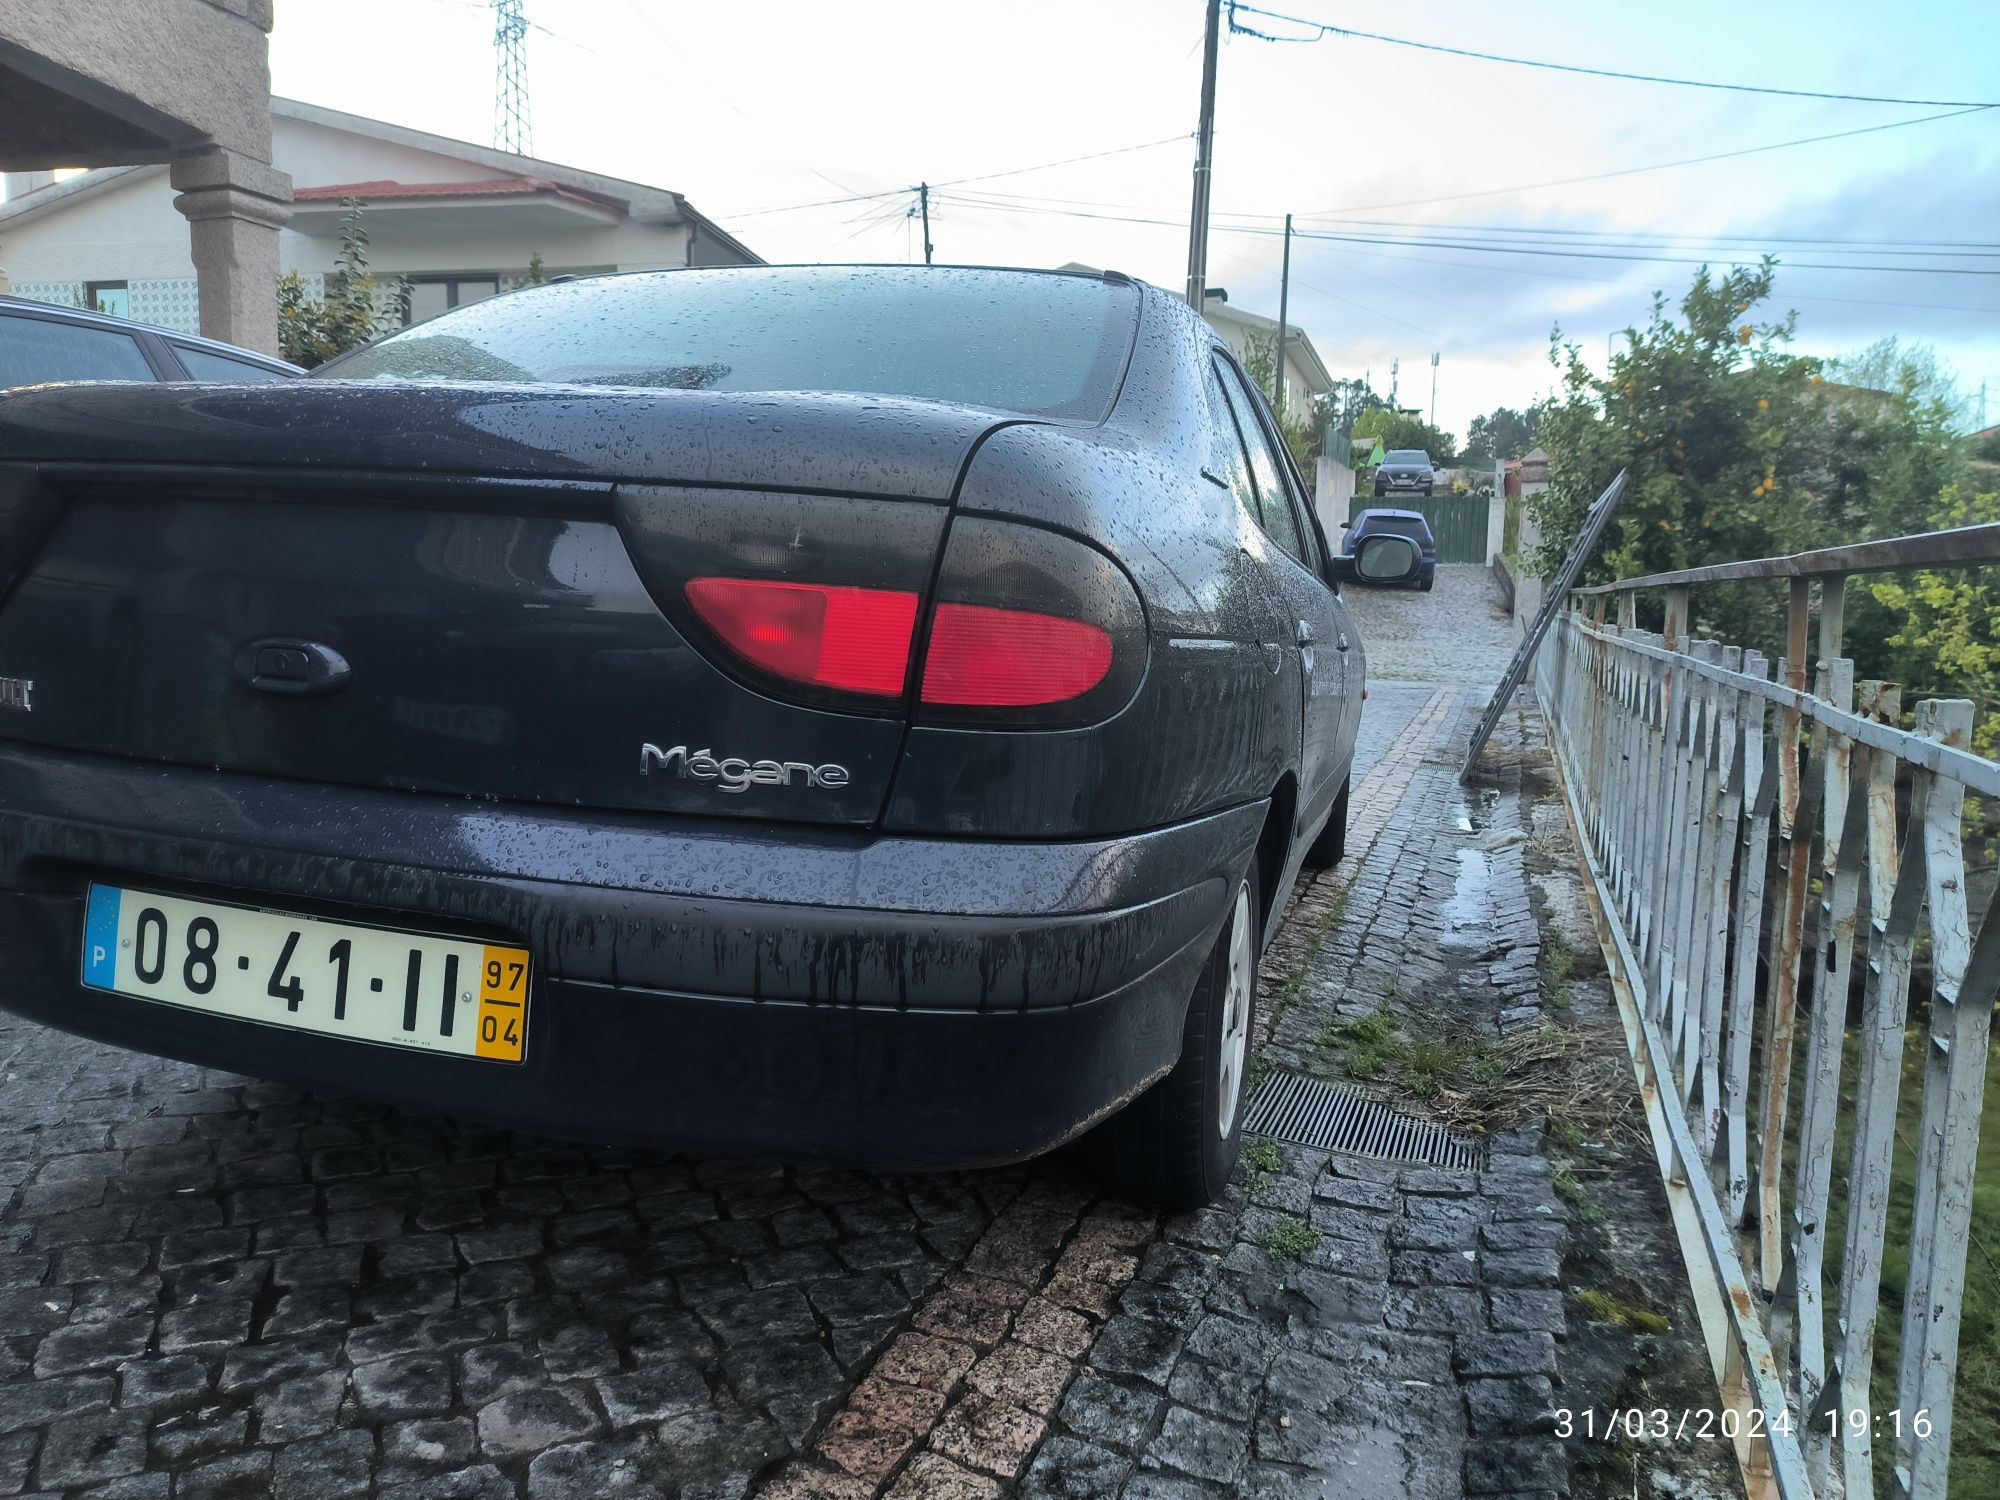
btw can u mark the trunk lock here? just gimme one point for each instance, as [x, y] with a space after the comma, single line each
[283, 664]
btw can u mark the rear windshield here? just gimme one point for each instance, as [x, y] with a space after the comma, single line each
[1040, 345]
[1407, 526]
[1407, 456]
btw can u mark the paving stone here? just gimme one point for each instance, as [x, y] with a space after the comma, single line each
[1511, 1405]
[173, 1380]
[325, 1468]
[652, 1394]
[1123, 1416]
[529, 1421]
[1489, 1354]
[1520, 1268]
[428, 1443]
[476, 1482]
[417, 1385]
[1519, 1310]
[300, 1408]
[923, 1361]
[180, 1437]
[92, 1449]
[1517, 1464]
[990, 1436]
[931, 1477]
[91, 1346]
[1138, 1347]
[1068, 1468]
[239, 1476]
[1197, 1444]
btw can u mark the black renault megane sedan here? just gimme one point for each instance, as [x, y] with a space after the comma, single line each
[866, 715]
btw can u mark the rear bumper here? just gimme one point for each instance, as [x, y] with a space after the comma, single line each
[818, 995]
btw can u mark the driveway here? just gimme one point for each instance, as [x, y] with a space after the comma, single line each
[213, 1286]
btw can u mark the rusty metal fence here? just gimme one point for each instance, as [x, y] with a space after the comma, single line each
[1769, 849]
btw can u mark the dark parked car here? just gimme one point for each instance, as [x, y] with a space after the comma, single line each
[1405, 523]
[857, 714]
[1405, 471]
[40, 343]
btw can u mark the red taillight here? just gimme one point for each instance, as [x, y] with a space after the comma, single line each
[848, 639]
[1006, 658]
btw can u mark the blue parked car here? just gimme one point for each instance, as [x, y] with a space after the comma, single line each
[1409, 523]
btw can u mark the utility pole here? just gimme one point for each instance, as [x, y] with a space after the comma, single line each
[1434, 388]
[1284, 306]
[924, 201]
[1204, 151]
[1395, 381]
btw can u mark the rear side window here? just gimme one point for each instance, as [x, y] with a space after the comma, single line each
[1274, 504]
[36, 350]
[1039, 345]
[206, 364]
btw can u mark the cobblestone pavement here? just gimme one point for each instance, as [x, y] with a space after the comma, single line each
[212, 1286]
[1459, 632]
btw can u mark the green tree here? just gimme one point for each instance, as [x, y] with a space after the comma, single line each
[1503, 433]
[312, 330]
[1302, 430]
[1945, 625]
[1342, 406]
[1400, 430]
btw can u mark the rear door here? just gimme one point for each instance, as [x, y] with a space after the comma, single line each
[1319, 639]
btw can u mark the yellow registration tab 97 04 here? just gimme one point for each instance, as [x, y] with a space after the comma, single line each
[503, 1003]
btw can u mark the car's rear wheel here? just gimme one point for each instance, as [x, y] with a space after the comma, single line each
[1176, 1144]
[1427, 583]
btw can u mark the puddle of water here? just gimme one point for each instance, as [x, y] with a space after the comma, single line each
[1467, 912]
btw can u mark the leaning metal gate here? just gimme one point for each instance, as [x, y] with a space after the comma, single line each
[1726, 813]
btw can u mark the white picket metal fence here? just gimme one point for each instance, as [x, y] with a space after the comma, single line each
[1769, 850]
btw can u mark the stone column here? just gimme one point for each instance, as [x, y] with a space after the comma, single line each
[235, 207]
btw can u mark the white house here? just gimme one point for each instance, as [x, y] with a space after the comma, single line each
[1305, 375]
[461, 221]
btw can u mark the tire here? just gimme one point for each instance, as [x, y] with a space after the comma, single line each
[1426, 584]
[1330, 847]
[1176, 1145]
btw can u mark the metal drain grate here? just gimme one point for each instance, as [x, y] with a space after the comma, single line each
[1312, 1112]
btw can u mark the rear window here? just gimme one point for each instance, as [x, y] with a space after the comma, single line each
[1407, 526]
[1407, 456]
[1049, 346]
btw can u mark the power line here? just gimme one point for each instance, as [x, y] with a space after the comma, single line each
[1689, 161]
[1414, 243]
[1960, 249]
[953, 182]
[1324, 29]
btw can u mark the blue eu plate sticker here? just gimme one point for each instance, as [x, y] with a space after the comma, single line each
[100, 938]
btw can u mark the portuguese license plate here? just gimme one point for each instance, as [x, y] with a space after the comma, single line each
[368, 984]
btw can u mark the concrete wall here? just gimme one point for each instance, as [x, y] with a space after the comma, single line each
[1333, 496]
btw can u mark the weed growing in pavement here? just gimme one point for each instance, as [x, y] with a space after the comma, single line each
[1290, 1240]
[1478, 1082]
[1558, 964]
[1575, 1196]
[1263, 1155]
[1605, 1308]
[1294, 982]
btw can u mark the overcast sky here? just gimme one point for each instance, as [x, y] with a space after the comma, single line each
[754, 105]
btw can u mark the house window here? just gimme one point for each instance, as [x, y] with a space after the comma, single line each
[113, 297]
[431, 295]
